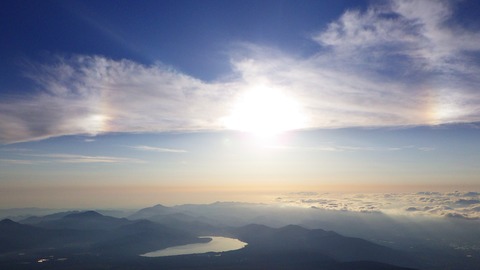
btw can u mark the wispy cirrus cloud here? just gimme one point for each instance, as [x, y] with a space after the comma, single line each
[397, 63]
[345, 148]
[24, 156]
[72, 158]
[40, 158]
[157, 149]
[93, 95]
[15, 162]
[69, 158]
[419, 33]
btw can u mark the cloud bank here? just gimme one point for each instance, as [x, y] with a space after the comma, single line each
[397, 63]
[465, 205]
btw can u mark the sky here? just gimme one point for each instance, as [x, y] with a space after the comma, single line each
[126, 104]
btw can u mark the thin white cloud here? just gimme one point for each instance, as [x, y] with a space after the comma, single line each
[397, 63]
[345, 148]
[15, 150]
[23, 156]
[72, 158]
[158, 149]
[15, 162]
[67, 158]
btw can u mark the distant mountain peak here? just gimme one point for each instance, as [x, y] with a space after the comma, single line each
[85, 214]
[159, 206]
[7, 221]
[292, 227]
[256, 226]
[150, 211]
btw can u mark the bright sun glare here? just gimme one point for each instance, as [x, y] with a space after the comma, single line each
[265, 112]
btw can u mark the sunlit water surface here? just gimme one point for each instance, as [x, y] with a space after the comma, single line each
[217, 244]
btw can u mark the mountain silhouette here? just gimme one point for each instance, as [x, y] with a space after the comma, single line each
[16, 236]
[33, 220]
[328, 244]
[87, 220]
[151, 211]
[96, 241]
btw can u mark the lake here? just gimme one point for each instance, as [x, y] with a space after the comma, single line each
[217, 244]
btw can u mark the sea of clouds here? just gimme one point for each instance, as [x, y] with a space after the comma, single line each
[457, 204]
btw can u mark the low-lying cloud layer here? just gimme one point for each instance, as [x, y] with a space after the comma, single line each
[465, 205]
[397, 63]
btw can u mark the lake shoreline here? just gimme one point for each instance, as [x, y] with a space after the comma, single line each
[216, 244]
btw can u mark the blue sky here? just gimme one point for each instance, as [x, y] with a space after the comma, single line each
[247, 96]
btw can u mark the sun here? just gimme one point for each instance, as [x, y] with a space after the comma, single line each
[265, 112]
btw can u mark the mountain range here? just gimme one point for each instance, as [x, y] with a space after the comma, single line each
[90, 240]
